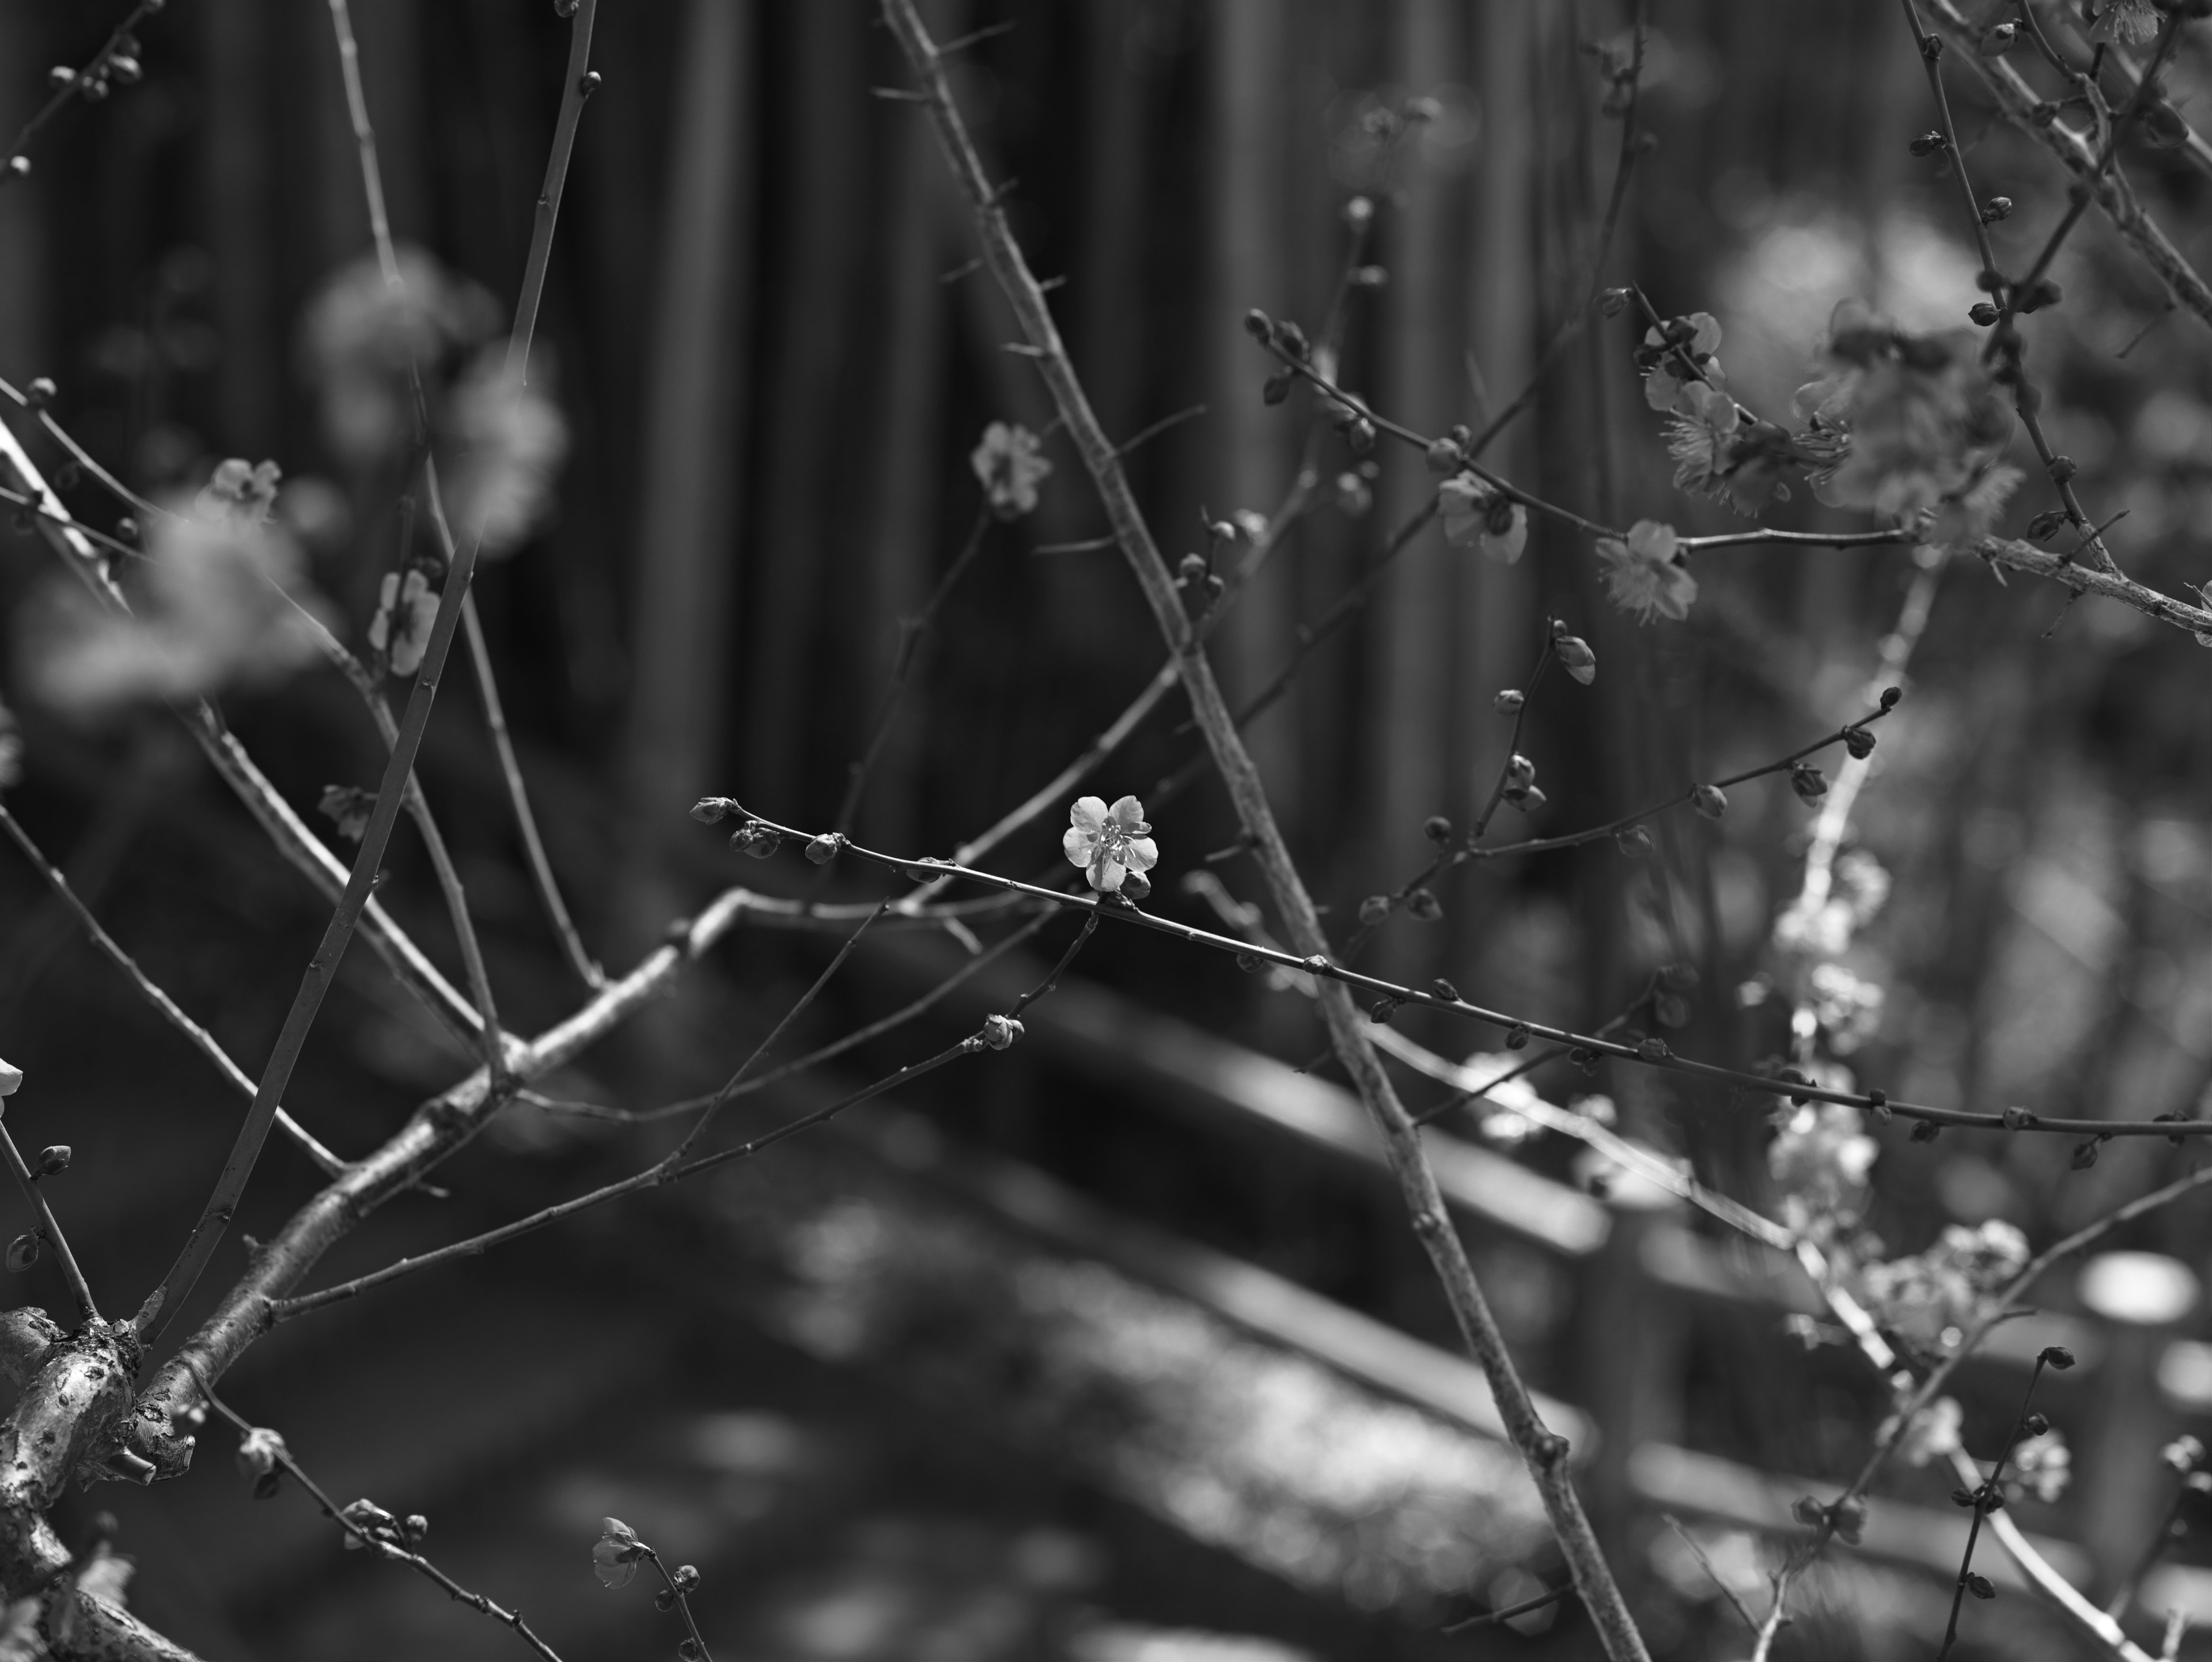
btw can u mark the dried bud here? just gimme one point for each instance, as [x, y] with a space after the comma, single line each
[22, 1253]
[1444, 456]
[1517, 1039]
[1634, 841]
[708, 809]
[2035, 1424]
[1978, 1584]
[52, 1162]
[1652, 1050]
[1508, 701]
[1859, 742]
[1613, 301]
[2056, 1356]
[1809, 782]
[1576, 658]
[1997, 208]
[1374, 910]
[2084, 1155]
[1890, 696]
[823, 848]
[1422, 907]
[1927, 145]
[999, 1031]
[1436, 829]
[1965, 1497]
[1982, 312]
[2048, 523]
[1276, 387]
[1709, 800]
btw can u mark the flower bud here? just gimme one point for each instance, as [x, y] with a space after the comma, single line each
[1859, 742]
[708, 809]
[1927, 145]
[2047, 523]
[1353, 498]
[1276, 387]
[1422, 907]
[2084, 1155]
[127, 69]
[1360, 435]
[2063, 469]
[1878, 1101]
[1576, 658]
[687, 1650]
[1191, 568]
[1982, 312]
[1652, 1050]
[1977, 1583]
[1384, 1009]
[41, 392]
[1709, 800]
[1135, 886]
[1443, 990]
[1374, 910]
[1517, 1039]
[1371, 277]
[1527, 798]
[413, 1528]
[1926, 1130]
[1436, 829]
[1809, 782]
[1257, 325]
[1670, 1010]
[1245, 961]
[2185, 1454]
[1358, 212]
[1613, 301]
[1997, 40]
[1222, 531]
[1635, 842]
[2036, 1424]
[1519, 769]
[1292, 337]
[1997, 208]
[1000, 1032]
[22, 1253]
[1508, 701]
[1442, 456]
[686, 1578]
[61, 75]
[52, 1162]
[1890, 696]
[2043, 293]
[2056, 1355]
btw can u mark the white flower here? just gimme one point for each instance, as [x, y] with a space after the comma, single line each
[2131, 23]
[363, 336]
[1643, 576]
[1108, 844]
[1009, 464]
[616, 1554]
[1819, 1162]
[1664, 372]
[405, 609]
[1932, 1435]
[1473, 512]
[505, 440]
[213, 613]
[2042, 1465]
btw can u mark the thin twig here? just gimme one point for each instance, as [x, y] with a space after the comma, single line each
[49, 1230]
[201, 1039]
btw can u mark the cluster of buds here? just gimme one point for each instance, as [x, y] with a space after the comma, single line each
[261, 1457]
[683, 1582]
[1521, 788]
[369, 1523]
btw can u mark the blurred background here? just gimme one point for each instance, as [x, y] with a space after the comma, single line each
[1116, 1347]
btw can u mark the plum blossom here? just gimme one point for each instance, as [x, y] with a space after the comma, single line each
[1009, 464]
[1932, 1296]
[1932, 1435]
[2130, 22]
[224, 602]
[400, 632]
[1699, 335]
[1110, 843]
[1643, 573]
[2042, 1465]
[503, 440]
[1474, 513]
[617, 1553]
[1720, 452]
[1820, 1163]
[363, 336]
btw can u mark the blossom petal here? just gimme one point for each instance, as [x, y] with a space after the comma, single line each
[1089, 813]
[1129, 814]
[1106, 874]
[1076, 843]
[1142, 854]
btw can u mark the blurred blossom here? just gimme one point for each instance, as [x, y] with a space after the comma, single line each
[1820, 1163]
[219, 604]
[1822, 925]
[2042, 1465]
[1848, 1007]
[405, 609]
[1933, 1435]
[1909, 427]
[1009, 465]
[506, 439]
[1930, 1295]
[1644, 574]
[11, 749]
[363, 336]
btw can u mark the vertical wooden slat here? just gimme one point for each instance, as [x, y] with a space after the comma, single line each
[1252, 449]
[809, 446]
[691, 471]
[236, 191]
